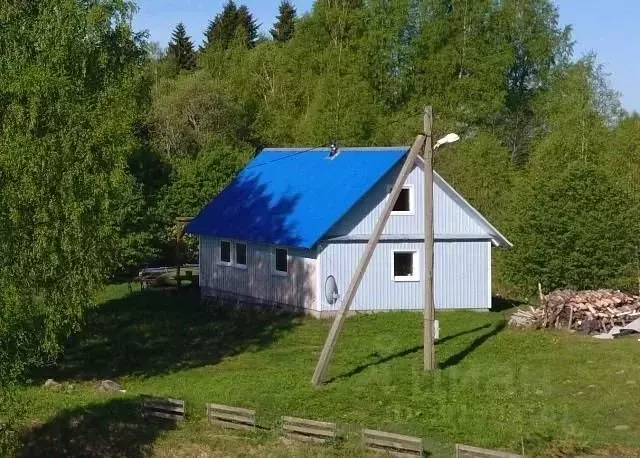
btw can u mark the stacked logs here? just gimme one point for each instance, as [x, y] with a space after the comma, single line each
[586, 311]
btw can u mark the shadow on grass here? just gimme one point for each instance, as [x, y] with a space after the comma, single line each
[149, 333]
[458, 357]
[501, 304]
[111, 429]
[403, 353]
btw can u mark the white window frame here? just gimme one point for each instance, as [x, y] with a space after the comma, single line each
[220, 261]
[275, 271]
[235, 256]
[416, 266]
[412, 201]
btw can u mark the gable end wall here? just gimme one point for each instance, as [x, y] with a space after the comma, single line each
[450, 220]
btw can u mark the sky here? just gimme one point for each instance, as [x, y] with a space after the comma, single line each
[608, 28]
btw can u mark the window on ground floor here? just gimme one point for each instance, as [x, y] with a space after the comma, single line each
[225, 252]
[405, 266]
[241, 254]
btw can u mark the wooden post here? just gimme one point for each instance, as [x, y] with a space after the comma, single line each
[181, 227]
[336, 327]
[178, 255]
[429, 312]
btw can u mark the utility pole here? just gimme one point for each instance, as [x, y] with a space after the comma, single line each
[429, 312]
[338, 322]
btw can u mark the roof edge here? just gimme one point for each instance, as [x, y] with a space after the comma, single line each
[353, 149]
[364, 194]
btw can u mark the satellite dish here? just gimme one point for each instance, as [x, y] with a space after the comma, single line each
[331, 292]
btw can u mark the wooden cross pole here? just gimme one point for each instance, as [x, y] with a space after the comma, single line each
[332, 338]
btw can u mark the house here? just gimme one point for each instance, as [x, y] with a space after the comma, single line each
[293, 218]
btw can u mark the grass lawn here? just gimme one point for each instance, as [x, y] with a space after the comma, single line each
[549, 393]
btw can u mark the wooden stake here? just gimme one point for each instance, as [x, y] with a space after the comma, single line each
[338, 322]
[540, 292]
[429, 309]
[181, 227]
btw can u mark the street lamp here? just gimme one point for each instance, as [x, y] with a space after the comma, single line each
[429, 308]
[451, 138]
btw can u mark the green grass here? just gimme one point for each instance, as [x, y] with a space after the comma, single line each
[496, 387]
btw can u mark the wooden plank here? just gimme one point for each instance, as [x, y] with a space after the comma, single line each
[231, 417]
[393, 436]
[304, 438]
[467, 451]
[303, 421]
[398, 453]
[363, 263]
[310, 431]
[171, 401]
[237, 410]
[230, 424]
[167, 407]
[153, 413]
[389, 443]
[397, 444]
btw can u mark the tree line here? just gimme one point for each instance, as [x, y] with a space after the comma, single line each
[106, 138]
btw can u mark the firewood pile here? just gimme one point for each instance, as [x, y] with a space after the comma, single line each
[586, 311]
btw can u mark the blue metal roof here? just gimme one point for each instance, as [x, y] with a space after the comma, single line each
[292, 197]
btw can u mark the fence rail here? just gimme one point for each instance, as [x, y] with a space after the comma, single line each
[394, 444]
[231, 417]
[467, 451]
[165, 408]
[309, 430]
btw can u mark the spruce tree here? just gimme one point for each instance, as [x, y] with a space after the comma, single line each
[222, 30]
[181, 49]
[284, 27]
[246, 21]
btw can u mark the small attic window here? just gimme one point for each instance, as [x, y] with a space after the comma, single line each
[405, 203]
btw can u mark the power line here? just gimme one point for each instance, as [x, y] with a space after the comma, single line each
[408, 118]
[297, 153]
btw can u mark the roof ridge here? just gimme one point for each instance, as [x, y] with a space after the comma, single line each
[342, 148]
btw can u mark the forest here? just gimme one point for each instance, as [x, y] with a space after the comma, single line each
[107, 137]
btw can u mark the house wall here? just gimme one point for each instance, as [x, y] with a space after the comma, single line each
[450, 219]
[462, 275]
[257, 281]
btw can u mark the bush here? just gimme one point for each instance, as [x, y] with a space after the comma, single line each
[574, 229]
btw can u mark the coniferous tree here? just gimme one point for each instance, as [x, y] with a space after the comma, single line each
[284, 28]
[181, 49]
[247, 22]
[223, 29]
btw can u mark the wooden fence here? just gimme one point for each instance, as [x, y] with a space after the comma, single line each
[165, 408]
[306, 430]
[466, 451]
[309, 430]
[231, 417]
[395, 444]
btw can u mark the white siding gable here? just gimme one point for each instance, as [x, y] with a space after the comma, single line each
[451, 220]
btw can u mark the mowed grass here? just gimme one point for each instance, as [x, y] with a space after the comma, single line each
[545, 392]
